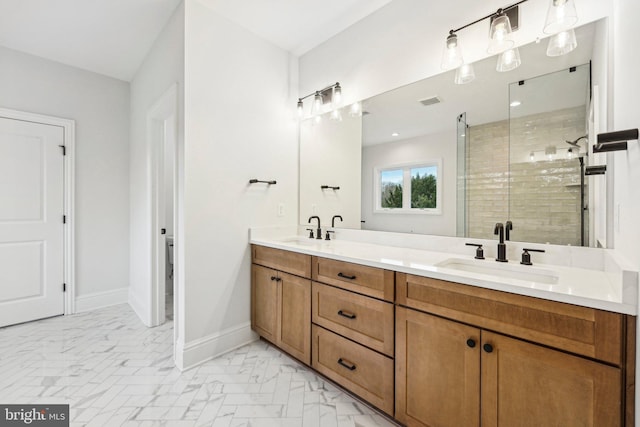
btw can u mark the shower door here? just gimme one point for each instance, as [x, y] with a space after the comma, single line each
[548, 149]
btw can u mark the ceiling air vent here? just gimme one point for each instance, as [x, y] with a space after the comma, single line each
[430, 100]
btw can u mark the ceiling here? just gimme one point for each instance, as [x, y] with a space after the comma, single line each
[112, 37]
[485, 100]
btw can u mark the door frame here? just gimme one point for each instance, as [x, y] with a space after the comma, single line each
[162, 123]
[69, 132]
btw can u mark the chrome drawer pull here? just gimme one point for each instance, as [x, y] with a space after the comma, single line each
[346, 314]
[344, 276]
[349, 366]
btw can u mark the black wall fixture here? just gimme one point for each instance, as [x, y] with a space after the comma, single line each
[614, 141]
[595, 170]
[328, 187]
[255, 180]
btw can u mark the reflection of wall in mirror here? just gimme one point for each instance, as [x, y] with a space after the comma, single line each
[426, 147]
[330, 155]
[540, 194]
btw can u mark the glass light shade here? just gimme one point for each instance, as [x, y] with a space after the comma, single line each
[316, 108]
[300, 108]
[508, 60]
[500, 35]
[561, 16]
[452, 54]
[464, 74]
[336, 99]
[562, 43]
[355, 110]
[336, 115]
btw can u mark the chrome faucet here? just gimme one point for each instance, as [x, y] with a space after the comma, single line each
[502, 248]
[319, 231]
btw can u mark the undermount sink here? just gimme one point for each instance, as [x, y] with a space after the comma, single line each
[492, 268]
[303, 241]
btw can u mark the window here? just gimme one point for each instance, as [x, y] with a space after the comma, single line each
[412, 188]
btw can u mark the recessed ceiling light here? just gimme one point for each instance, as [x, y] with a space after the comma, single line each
[395, 134]
[515, 103]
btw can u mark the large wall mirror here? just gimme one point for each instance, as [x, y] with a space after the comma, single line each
[433, 157]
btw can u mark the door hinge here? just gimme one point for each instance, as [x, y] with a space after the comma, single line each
[64, 219]
[64, 149]
[64, 287]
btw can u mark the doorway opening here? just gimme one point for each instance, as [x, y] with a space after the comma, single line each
[162, 121]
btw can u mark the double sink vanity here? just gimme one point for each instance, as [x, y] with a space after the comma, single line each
[427, 334]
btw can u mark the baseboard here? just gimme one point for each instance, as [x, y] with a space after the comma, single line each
[139, 308]
[98, 300]
[201, 350]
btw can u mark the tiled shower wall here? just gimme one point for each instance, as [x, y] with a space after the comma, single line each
[541, 197]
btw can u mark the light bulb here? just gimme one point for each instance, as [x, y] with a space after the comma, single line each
[561, 16]
[562, 43]
[508, 60]
[464, 74]
[452, 54]
[355, 109]
[300, 108]
[337, 96]
[317, 103]
[500, 35]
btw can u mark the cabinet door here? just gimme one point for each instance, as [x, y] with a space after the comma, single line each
[528, 385]
[294, 334]
[264, 299]
[437, 371]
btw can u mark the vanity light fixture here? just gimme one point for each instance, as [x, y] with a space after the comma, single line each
[452, 53]
[500, 33]
[331, 94]
[508, 60]
[561, 16]
[562, 43]
[464, 74]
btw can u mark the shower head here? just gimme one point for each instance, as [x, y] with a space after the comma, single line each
[575, 142]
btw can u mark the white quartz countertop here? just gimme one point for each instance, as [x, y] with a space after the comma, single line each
[579, 286]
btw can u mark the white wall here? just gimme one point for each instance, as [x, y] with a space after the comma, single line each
[403, 41]
[427, 147]
[100, 107]
[330, 154]
[163, 67]
[239, 124]
[626, 88]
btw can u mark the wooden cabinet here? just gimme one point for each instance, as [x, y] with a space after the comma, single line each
[438, 354]
[353, 328]
[452, 374]
[529, 385]
[365, 320]
[357, 368]
[281, 302]
[437, 371]
[371, 281]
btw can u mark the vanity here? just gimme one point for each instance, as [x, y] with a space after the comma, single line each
[432, 339]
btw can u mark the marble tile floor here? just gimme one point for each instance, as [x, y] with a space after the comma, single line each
[114, 371]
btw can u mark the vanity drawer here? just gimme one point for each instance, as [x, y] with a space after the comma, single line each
[363, 319]
[357, 368]
[291, 262]
[375, 282]
[581, 330]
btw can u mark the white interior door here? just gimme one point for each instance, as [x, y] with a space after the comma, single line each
[31, 221]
